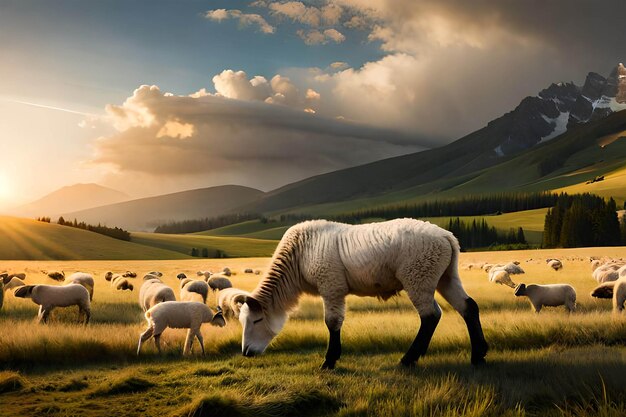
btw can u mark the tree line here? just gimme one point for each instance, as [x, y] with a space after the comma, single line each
[114, 232]
[206, 223]
[478, 234]
[583, 220]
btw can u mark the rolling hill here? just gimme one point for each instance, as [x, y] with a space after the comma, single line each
[26, 239]
[71, 198]
[146, 213]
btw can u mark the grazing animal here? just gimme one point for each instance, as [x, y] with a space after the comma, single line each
[57, 276]
[218, 282]
[500, 276]
[181, 276]
[612, 289]
[14, 283]
[50, 296]
[230, 301]
[226, 271]
[378, 259]
[177, 315]
[120, 283]
[154, 291]
[84, 279]
[554, 264]
[552, 295]
[191, 289]
[607, 272]
[248, 271]
[129, 274]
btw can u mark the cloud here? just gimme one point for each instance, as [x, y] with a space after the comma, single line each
[245, 19]
[316, 37]
[208, 139]
[297, 11]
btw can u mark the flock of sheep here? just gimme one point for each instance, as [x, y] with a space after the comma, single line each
[157, 300]
[609, 273]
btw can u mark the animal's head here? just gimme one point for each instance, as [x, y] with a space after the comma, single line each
[603, 291]
[259, 326]
[5, 278]
[25, 291]
[218, 319]
[181, 276]
[148, 277]
[520, 290]
[57, 276]
[108, 276]
[156, 273]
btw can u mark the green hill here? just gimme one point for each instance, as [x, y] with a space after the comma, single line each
[255, 229]
[25, 239]
[232, 247]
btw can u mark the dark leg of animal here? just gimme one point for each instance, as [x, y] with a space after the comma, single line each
[422, 340]
[333, 316]
[475, 330]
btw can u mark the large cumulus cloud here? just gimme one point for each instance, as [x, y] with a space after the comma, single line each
[208, 139]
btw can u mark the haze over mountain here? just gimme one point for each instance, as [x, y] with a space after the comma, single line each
[146, 213]
[71, 198]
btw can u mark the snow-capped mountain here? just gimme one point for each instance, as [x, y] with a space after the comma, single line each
[561, 106]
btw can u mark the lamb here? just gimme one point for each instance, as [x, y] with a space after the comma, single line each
[513, 268]
[50, 296]
[191, 289]
[376, 259]
[154, 291]
[81, 278]
[57, 276]
[230, 301]
[554, 264]
[548, 295]
[612, 289]
[120, 283]
[129, 274]
[501, 276]
[179, 315]
[226, 271]
[218, 282]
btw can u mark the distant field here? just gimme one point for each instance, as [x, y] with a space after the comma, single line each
[614, 185]
[531, 220]
[30, 239]
[548, 364]
[230, 246]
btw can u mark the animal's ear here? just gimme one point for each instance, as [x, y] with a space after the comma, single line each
[253, 304]
[218, 319]
[130, 287]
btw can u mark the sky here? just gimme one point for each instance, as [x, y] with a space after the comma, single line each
[152, 96]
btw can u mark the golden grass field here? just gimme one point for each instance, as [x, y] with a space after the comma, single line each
[551, 364]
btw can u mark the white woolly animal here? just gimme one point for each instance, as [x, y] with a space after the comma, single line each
[230, 301]
[190, 290]
[179, 315]
[377, 259]
[121, 283]
[154, 291]
[554, 264]
[226, 271]
[612, 289]
[500, 276]
[513, 268]
[607, 272]
[219, 282]
[51, 296]
[57, 276]
[552, 295]
[84, 279]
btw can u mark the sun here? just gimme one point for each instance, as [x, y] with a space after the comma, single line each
[6, 189]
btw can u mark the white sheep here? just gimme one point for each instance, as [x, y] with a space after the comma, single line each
[179, 315]
[230, 301]
[191, 289]
[513, 268]
[218, 282]
[554, 264]
[500, 276]
[548, 295]
[14, 283]
[129, 274]
[121, 283]
[226, 271]
[612, 289]
[84, 279]
[607, 272]
[50, 296]
[154, 291]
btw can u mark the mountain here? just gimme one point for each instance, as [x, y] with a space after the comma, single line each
[146, 213]
[522, 139]
[71, 198]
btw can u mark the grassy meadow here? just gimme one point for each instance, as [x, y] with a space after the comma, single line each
[551, 364]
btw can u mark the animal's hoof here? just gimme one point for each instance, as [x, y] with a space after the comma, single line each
[328, 365]
[406, 363]
[479, 361]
